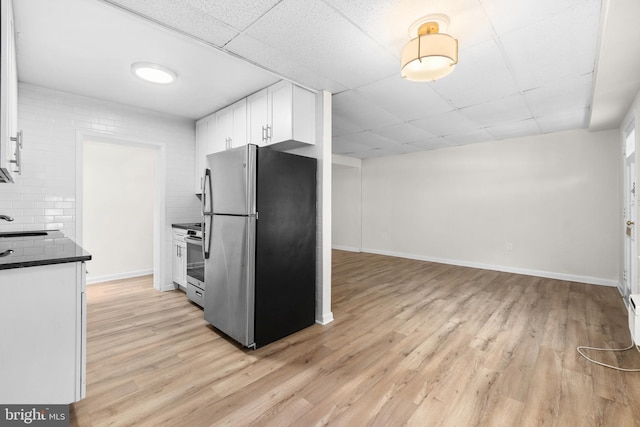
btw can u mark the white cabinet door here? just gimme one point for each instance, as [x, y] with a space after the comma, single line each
[42, 323]
[292, 114]
[224, 129]
[239, 124]
[179, 258]
[205, 132]
[201, 134]
[231, 126]
[281, 112]
[10, 141]
[257, 113]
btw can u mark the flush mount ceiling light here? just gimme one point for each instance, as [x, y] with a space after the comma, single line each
[153, 73]
[430, 54]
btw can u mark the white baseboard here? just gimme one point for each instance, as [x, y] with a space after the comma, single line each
[506, 269]
[325, 319]
[108, 277]
[346, 248]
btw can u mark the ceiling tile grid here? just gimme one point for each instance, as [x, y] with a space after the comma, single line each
[525, 67]
[560, 46]
[405, 99]
[238, 14]
[360, 111]
[314, 35]
[514, 129]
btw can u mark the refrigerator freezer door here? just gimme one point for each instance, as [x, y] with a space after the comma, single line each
[233, 178]
[229, 277]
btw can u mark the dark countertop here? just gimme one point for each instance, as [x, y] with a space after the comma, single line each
[187, 226]
[30, 251]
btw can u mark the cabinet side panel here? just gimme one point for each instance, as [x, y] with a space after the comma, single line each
[285, 245]
[304, 115]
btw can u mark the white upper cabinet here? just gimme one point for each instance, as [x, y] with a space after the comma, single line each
[10, 137]
[231, 126]
[205, 130]
[239, 123]
[282, 114]
[257, 113]
[201, 134]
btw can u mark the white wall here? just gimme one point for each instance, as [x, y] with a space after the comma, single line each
[546, 205]
[346, 208]
[117, 203]
[53, 122]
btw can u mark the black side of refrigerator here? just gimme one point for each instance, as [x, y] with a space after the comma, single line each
[285, 275]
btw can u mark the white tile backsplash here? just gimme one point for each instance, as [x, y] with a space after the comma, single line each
[44, 196]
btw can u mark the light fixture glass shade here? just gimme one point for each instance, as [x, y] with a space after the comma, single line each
[429, 57]
[153, 73]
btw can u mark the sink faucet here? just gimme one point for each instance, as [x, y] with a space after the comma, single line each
[6, 218]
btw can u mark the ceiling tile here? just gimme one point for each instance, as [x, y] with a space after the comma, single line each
[376, 152]
[341, 125]
[238, 14]
[257, 52]
[405, 99]
[480, 76]
[510, 108]
[434, 143]
[563, 120]
[181, 17]
[514, 129]
[361, 112]
[345, 145]
[452, 122]
[315, 36]
[403, 133]
[563, 45]
[559, 95]
[370, 140]
[470, 137]
[508, 15]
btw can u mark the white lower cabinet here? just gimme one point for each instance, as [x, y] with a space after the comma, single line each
[179, 257]
[43, 332]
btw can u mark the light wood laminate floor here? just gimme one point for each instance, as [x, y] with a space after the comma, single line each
[413, 343]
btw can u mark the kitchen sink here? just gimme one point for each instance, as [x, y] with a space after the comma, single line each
[23, 233]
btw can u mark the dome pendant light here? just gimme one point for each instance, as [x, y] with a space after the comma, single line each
[430, 55]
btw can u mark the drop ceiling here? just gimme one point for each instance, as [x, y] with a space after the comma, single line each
[525, 68]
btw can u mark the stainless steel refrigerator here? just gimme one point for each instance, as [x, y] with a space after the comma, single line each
[259, 243]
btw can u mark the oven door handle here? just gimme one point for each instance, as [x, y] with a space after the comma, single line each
[194, 240]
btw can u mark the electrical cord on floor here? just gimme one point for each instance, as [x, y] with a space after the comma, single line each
[582, 347]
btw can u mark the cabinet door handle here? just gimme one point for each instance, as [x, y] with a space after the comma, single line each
[6, 253]
[264, 133]
[269, 132]
[18, 140]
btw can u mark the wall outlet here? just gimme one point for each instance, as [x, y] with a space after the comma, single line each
[508, 246]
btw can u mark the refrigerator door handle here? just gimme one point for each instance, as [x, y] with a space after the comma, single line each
[207, 215]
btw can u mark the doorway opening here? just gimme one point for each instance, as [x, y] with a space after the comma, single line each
[118, 185]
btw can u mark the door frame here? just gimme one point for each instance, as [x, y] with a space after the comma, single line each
[630, 247]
